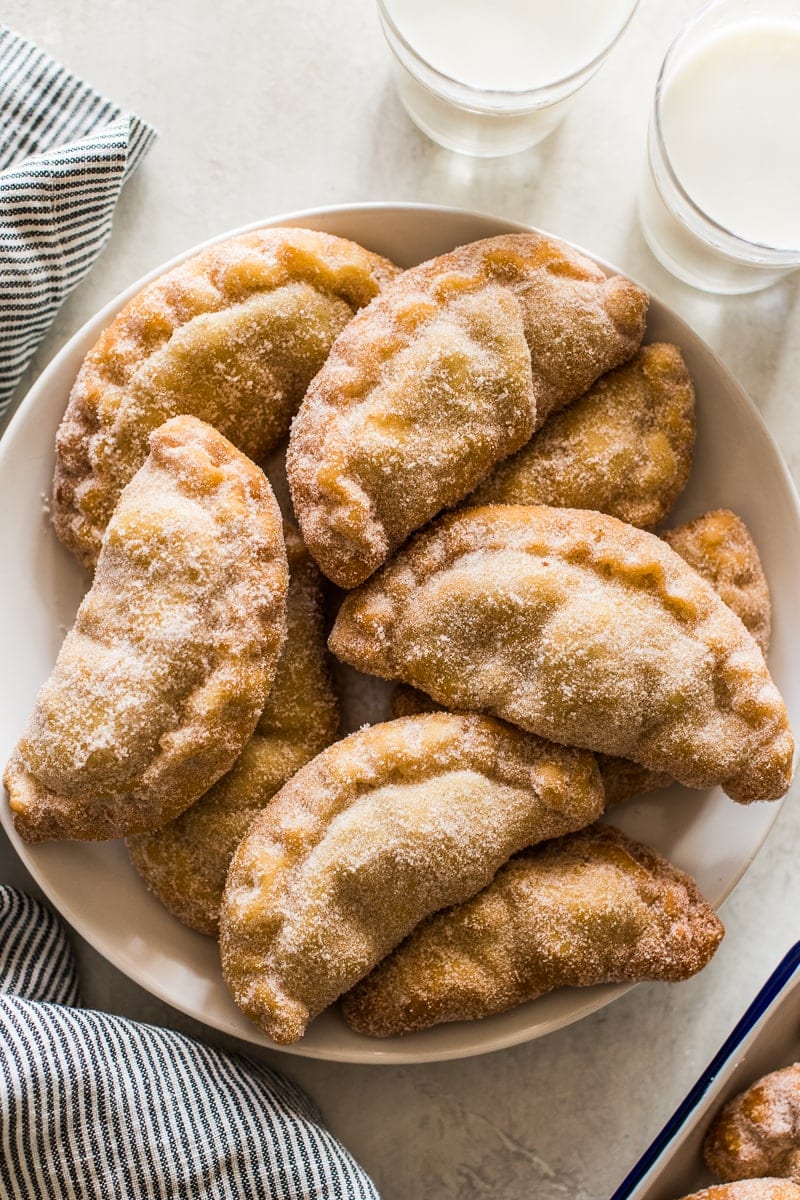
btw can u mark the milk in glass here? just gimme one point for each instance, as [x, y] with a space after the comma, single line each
[491, 76]
[729, 123]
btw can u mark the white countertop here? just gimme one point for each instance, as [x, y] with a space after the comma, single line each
[267, 108]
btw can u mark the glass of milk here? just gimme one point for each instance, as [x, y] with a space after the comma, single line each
[720, 204]
[491, 77]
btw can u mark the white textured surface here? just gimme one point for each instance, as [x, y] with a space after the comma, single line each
[272, 107]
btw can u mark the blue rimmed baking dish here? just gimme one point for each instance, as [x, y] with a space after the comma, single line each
[766, 1037]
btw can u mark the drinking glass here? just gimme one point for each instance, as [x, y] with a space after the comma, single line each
[483, 121]
[699, 247]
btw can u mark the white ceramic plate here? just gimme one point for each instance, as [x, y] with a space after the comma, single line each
[94, 886]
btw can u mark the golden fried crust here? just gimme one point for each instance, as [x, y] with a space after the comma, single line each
[161, 680]
[750, 1189]
[446, 373]
[580, 628]
[624, 448]
[758, 1132]
[720, 548]
[233, 336]
[592, 907]
[407, 702]
[186, 862]
[377, 832]
[622, 779]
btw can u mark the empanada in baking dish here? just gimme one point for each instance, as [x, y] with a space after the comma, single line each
[373, 835]
[233, 336]
[750, 1189]
[185, 862]
[757, 1133]
[592, 907]
[448, 371]
[162, 678]
[579, 628]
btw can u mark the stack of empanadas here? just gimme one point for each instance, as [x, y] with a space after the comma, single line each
[448, 864]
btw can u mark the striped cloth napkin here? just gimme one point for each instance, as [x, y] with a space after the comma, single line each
[65, 153]
[96, 1107]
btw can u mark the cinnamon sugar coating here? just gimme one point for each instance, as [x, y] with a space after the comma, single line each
[592, 907]
[624, 448]
[582, 629]
[233, 336]
[185, 862]
[161, 680]
[720, 548]
[447, 372]
[749, 1189]
[377, 832]
[758, 1132]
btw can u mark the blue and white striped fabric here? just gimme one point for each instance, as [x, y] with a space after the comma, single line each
[65, 153]
[96, 1107]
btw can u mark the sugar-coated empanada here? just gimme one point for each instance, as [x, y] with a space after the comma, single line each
[580, 628]
[624, 448]
[233, 335]
[444, 374]
[377, 832]
[749, 1189]
[720, 548]
[592, 907]
[758, 1132]
[161, 680]
[185, 862]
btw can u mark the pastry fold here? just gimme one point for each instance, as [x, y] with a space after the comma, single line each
[185, 862]
[447, 372]
[233, 335]
[582, 629]
[592, 907]
[161, 680]
[373, 835]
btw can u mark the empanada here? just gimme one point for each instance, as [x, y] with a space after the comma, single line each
[444, 374]
[377, 832]
[624, 448]
[592, 907]
[720, 548]
[233, 335]
[185, 862]
[161, 680]
[749, 1189]
[580, 628]
[758, 1132]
